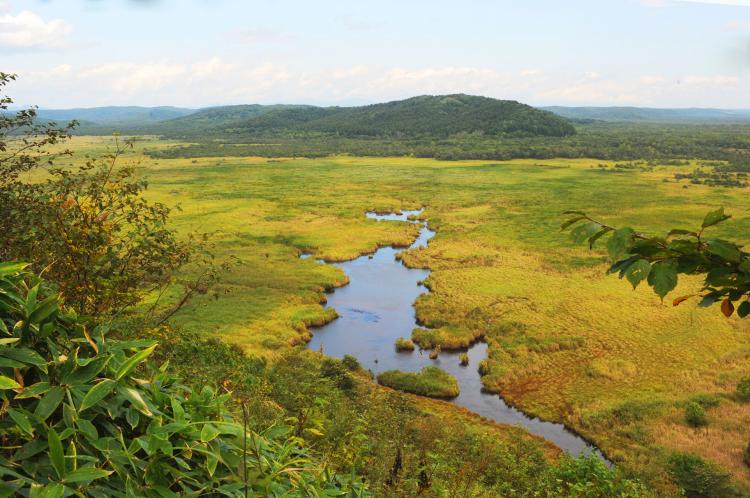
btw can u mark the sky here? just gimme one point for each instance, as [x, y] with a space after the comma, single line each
[198, 53]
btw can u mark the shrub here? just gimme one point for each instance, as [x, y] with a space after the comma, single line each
[463, 358]
[695, 415]
[76, 420]
[698, 478]
[335, 370]
[589, 477]
[746, 455]
[403, 344]
[430, 381]
[351, 363]
[743, 389]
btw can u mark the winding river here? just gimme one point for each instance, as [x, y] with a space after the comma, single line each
[376, 308]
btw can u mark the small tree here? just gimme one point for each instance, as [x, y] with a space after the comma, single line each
[90, 229]
[695, 415]
[660, 259]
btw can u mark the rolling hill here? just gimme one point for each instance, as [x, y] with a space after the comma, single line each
[417, 116]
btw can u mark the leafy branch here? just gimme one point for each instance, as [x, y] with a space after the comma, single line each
[660, 259]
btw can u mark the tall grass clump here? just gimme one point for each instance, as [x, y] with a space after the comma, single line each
[430, 381]
[403, 344]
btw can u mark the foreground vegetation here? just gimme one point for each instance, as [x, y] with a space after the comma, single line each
[430, 381]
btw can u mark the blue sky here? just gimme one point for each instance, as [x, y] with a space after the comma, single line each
[194, 53]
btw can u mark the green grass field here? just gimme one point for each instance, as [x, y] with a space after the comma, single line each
[567, 342]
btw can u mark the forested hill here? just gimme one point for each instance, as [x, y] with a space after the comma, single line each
[424, 116]
[420, 116]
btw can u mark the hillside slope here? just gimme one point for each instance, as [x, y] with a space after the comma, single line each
[417, 116]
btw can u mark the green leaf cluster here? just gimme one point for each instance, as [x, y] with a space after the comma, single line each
[84, 414]
[659, 260]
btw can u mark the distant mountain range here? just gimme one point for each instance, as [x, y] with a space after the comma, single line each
[441, 115]
[652, 115]
[115, 114]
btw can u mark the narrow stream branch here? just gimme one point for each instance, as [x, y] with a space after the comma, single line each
[376, 308]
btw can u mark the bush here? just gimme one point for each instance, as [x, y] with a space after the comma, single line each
[430, 381]
[335, 370]
[743, 389]
[351, 363]
[695, 415]
[463, 359]
[746, 455]
[403, 344]
[76, 420]
[589, 477]
[698, 478]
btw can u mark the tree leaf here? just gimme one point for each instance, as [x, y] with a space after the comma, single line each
[86, 475]
[21, 420]
[679, 300]
[743, 309]
[727, 308]
[56, 453]
[8, 383]
[135, 399]
[638, 272]
[208, 433]
[585, 231]
[49, 402]
[132, 362]
[598, 235]
[97, 393]
[663, 277]
[569, 222]
[724, 249]
[619, 243]
[714, 217]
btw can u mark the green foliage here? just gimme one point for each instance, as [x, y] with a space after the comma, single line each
[77, 420]
[659, 260]
[743, 389]
[746, 455]
[695, 415]
[697, 478]
[351, 363]
[90, 229]
[589, 477]
[430, 381]
[463, 359]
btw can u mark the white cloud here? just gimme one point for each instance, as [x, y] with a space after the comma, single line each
[215, 81]
[651, 80]
[26, 30]
[716, 81]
